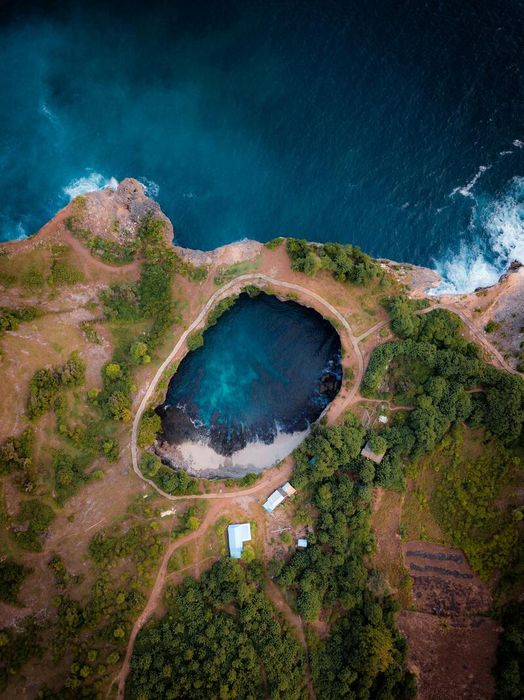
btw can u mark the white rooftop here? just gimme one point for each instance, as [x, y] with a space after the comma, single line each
[302, 543]
[237, 535]
[273, 501]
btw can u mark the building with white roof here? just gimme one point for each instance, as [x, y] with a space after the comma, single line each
[302, 543]
[237, 535]
[273, 501]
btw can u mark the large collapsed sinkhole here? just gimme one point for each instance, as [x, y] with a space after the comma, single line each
[241, 402]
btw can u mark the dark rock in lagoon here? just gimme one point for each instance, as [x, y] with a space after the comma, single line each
[267, 367]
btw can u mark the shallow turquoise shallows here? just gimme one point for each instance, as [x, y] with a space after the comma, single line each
[265, 366]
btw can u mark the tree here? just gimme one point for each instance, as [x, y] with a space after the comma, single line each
[113, 371]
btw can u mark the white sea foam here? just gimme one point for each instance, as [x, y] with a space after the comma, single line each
[89, 183]
[465, 190]
[518, 143]
[48, 114]
[502, 227]
[151, 188]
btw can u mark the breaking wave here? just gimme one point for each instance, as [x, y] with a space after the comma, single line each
[150, 187]
[500, 225]
[89, 183]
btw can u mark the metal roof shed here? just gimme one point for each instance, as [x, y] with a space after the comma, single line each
[273, 501]
[237, 535]
[287, 489]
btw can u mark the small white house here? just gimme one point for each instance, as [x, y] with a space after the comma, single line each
[273, 501]
[237, 535]
[302, 543]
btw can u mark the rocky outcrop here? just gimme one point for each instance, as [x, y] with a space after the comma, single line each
[115, 214]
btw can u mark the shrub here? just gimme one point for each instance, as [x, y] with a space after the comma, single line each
[150, 425]
[195, 341]
[46, 384]
[11, 576]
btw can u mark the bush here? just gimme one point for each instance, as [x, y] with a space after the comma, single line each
[11, 576]
[150, 425]
[195, 341]
[46, 384]
[34, 518]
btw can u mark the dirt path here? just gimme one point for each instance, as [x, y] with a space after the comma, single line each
[156, 592]
[227, 290]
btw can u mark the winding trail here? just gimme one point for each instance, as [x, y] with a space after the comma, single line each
[271, 477]
[225, 291]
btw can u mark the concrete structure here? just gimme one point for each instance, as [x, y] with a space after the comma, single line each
[278, 496]
[237, 535]
[287, 489]
[273, 501]
[302, 543]
[368, 453]
[382, 419]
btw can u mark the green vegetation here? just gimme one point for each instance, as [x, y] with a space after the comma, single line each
[227, 274]
[363, 656]
[274, 243]
[11, 576]
[140, 542]
[18, 644]
[435, 369]
[90, 332]
[62, 271]
[461, 483]
[34, 518]
[219, 309]
[221, 637]
[173, 481]
[509, 671]
[195, 340]
[69, 475]
[10, 319]
[16, 456]
[346, 263]
[194, 273]
[111, 252]
[150, 299]
[150, 425]
[46, 384]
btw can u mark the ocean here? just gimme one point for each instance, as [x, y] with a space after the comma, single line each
[396, 126]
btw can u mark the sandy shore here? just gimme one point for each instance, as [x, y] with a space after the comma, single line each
[202, 461]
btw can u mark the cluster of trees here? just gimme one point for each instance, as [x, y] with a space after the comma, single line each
[150, 299]
[173, 481]
[363, 656]
[448, 383]
[10, 319]
[69, 474]
[34, 518]
[347, 263]
[509, 670]
[150, 425]
[47, 383]
[16, 456]
[140, 542]
[12, 573]
[18, 645]
[221, 637]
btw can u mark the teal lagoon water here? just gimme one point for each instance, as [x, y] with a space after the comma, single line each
[267, 367]
[397, 126]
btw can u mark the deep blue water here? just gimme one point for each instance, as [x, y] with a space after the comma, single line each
[394, 125]
[266, 365]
